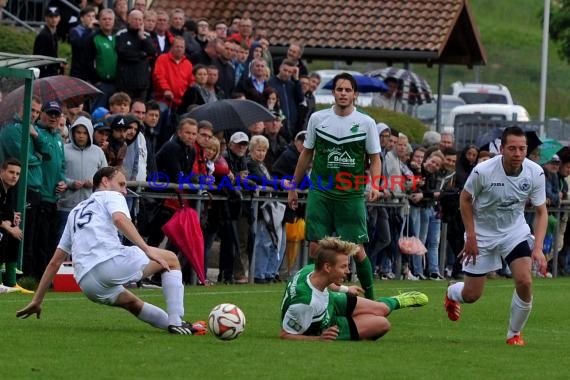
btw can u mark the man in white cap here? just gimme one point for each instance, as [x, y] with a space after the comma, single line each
[50, 146]
[236, 158]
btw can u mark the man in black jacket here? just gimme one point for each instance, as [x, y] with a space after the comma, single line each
[46, 42]
[134, 47]
[175, 160]
[287, 161]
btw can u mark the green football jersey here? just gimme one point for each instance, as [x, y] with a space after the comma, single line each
[305, 309]
[341, 145]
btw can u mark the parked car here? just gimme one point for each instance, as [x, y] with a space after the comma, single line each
[324, 96]
[472, 120]
[426, 112]
[479, 93]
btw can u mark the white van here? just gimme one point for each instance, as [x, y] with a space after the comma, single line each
[478, 93]
[426, 112]
[469, 121]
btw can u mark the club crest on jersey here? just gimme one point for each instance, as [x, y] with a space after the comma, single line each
[338, 158]
[354, 128]
[524, 185]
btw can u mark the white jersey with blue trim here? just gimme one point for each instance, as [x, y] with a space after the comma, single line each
[499, 200]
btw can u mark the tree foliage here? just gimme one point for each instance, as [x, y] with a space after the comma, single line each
[560, 27]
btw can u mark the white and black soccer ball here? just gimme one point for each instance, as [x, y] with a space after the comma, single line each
[226, 321]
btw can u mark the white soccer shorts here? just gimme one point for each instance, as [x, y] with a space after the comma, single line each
[489, 258]
[104, 282]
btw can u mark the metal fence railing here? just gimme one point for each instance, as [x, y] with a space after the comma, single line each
[201, 199]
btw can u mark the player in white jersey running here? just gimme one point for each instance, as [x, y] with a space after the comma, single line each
[102, 264]
[492, 208]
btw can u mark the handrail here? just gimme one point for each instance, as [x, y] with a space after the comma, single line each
[18, 21]
[70, 6]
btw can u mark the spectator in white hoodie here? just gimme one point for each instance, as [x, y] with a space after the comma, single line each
[82, 160]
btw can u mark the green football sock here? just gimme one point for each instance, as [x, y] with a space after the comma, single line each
[364, 272]
[10, 274]
[392, 303]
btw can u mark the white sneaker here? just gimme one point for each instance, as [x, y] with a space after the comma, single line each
[410, 277]
[7, 289]
[541, 275]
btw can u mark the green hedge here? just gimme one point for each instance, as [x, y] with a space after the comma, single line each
[403, 123]
[411, 127]
[16, 41]
[21, 41]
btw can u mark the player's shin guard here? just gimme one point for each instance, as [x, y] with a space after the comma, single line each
[364, 272]
[9, 277]
[520, 312]
[173, 291]
[154, 316]
[392, 303]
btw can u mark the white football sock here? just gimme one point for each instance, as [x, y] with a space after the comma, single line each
[454, 292]
[173, 291]
[520, 312]
[154, 316]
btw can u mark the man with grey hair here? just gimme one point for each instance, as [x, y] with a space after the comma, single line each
[447, 140]
[102, 58]
[294, 54]
[134, 48]
[431, 138]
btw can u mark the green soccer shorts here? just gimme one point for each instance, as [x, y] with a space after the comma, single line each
[346, 217]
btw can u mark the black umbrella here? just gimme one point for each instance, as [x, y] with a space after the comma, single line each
[231, 114]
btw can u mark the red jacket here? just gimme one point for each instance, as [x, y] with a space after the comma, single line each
[199, 166]
[169, 75]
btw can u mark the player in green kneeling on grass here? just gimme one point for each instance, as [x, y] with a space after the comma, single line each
[316, 306]
[10, 232]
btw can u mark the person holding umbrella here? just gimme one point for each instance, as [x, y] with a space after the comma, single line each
[340, 141]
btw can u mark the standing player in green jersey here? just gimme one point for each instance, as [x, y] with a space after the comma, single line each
[339, 143]
[310, 312]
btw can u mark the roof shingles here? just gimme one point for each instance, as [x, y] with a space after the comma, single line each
[415, 25]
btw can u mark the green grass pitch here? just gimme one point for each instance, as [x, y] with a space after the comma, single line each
[77, 339]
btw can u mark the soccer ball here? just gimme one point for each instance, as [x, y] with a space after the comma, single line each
[226, 321]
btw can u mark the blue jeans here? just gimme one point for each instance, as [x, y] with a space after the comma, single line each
[432, 240]
[266, 254]
[275, 261]
[419, 220]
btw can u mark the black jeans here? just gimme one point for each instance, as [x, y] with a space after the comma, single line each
[46, 237]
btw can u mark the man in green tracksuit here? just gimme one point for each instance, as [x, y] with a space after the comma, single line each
[50, 145]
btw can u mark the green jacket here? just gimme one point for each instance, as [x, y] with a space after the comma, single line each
[105, 57]
[50, 145]
[10, 146]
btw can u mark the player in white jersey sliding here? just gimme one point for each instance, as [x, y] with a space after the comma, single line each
[102, 264]
[492, 207]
